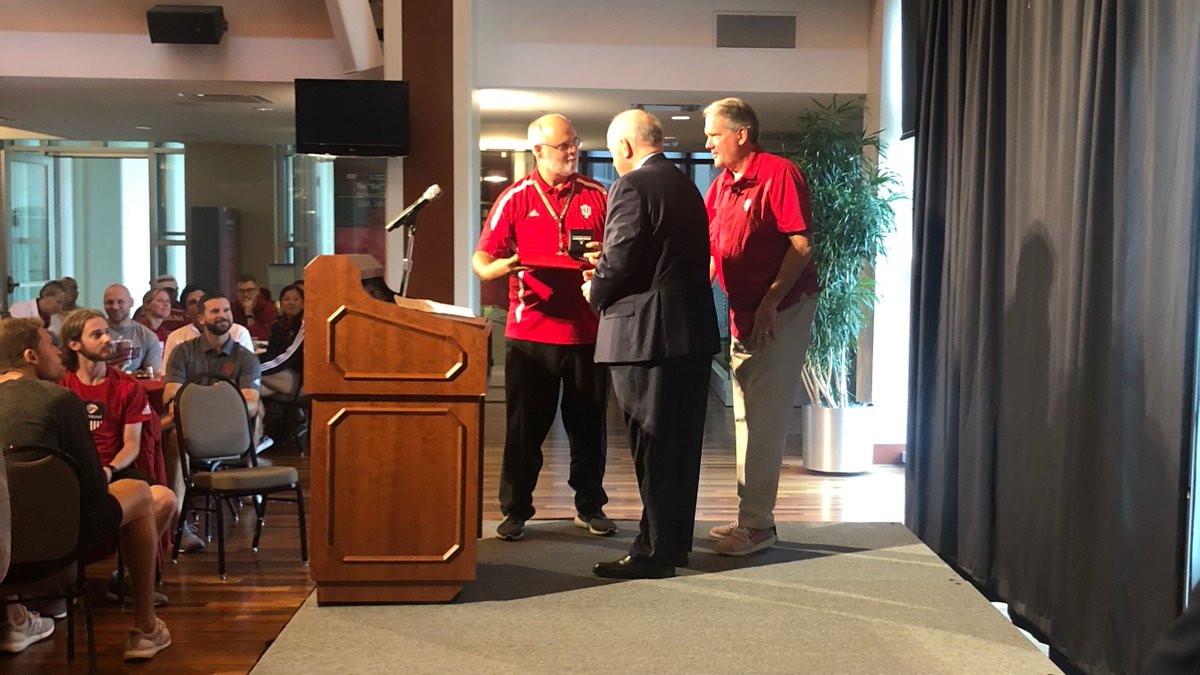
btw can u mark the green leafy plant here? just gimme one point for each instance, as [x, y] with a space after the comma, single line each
[852, 213]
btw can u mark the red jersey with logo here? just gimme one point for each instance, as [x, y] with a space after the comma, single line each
[534, 220]
[749, 220]
[110, 405]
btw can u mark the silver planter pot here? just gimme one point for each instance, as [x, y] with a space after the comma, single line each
[838, 440]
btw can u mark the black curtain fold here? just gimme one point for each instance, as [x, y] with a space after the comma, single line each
[1051, 384]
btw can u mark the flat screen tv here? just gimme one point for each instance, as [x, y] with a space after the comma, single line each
[366, 118]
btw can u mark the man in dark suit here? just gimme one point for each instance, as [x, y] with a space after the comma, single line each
[658, 332]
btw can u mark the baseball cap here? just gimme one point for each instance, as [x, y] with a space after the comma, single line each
[164, 281]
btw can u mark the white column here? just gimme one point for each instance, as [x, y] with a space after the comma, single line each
[394, 197]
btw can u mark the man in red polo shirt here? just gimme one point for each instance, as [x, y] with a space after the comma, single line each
[551, 331]
[759, 221]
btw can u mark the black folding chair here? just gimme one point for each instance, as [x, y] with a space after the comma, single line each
[215, 432]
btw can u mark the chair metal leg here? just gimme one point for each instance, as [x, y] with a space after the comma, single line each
[91, 632]
[303, 528]
[208, 511]
[233, 509]
[70, 631]
[260, 507]
[220, 541]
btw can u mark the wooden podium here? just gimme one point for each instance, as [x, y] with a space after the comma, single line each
[397, 441]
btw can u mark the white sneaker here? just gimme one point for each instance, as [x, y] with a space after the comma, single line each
[145, 646]
[20, 635]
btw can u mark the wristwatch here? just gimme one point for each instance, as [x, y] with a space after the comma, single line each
[112, 472]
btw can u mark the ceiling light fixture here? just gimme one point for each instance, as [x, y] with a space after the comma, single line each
[264, 109]
[681, 117]
[495, 178]
[142, 127]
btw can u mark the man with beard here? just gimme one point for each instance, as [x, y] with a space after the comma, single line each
[551, 331]
[35, 411]
[195, 326]
[215, 353]
[117, 408]
[136, 347]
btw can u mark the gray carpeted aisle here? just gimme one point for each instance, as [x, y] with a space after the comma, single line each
[831, 598]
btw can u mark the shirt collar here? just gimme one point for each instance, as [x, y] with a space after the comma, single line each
[749, 176]
[642, 161]
[547, 188]
[225, 349]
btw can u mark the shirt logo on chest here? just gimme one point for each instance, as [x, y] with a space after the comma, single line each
[746, 206]
[586, 210]
[533, 213]
[95, 413]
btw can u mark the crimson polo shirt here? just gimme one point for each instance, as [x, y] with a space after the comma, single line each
[110, 405]
[749, 220]
[546, 304]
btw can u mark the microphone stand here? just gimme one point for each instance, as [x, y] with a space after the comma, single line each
[409, 235]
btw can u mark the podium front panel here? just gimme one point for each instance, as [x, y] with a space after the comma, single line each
[398, 499]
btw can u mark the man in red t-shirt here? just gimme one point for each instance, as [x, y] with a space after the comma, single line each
[551, 330]
[116, 407]
[759, 221]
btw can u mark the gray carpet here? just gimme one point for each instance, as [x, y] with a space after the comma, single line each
[830, 598]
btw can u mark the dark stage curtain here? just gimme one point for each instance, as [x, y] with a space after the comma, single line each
[1054, 291]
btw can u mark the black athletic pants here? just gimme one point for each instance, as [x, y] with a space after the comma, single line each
[534, 374]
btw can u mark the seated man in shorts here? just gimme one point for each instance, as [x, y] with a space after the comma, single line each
[35, 411]
[117, 408]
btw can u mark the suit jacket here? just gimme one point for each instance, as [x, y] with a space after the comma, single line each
[651, 285]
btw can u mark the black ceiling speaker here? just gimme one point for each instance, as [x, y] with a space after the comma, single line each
[186, 24]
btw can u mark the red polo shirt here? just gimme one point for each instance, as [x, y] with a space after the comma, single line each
[546, 304]
[110, 405]
[749, 220]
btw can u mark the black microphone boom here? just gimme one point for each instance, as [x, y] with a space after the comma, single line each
[409, 215]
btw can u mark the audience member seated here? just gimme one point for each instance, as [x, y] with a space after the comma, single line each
[283, 362]
[72, 287]
[137, 347]
[158, 315]
[215, 353]
[195, 326]
[47, 307]
[35, 411]
[252, 310]
[116, 407]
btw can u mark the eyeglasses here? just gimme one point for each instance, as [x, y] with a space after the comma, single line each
[564, 148]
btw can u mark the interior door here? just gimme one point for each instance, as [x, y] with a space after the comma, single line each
[28, 241]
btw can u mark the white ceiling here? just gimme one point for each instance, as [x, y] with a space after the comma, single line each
[113, 109]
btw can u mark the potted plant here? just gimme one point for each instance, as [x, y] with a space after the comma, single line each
[852, 213]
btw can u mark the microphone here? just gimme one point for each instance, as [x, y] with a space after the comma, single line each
[409, 215]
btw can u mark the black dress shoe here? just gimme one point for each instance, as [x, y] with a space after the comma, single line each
[631, 567]
[680, 560]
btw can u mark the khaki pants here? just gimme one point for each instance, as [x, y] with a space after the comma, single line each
[764, 386]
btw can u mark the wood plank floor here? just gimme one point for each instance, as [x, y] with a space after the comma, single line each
[223, 627]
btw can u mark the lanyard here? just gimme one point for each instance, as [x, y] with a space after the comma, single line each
[558, 217]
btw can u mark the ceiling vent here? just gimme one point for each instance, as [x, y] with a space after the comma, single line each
[226, 98]
[666, 107]
[756, 31]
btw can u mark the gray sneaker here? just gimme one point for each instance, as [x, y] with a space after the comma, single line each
[190, 542]
[33, 628]
[145, 646]
[511, 529]
[598, 524]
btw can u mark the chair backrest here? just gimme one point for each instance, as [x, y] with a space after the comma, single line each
[45, 490]
[212, 420]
